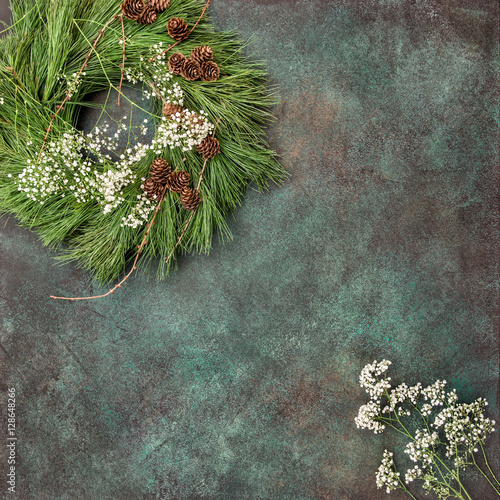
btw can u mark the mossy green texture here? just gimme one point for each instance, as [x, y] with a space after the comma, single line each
[238, 377]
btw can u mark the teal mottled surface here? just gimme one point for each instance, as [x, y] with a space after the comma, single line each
[238, 376]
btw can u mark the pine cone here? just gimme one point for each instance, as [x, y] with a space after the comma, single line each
[177, 181]
[159, 5]
[176, 62]
[209, 147]
[170, 109]
[160, 170]
[147, 16]
[132, 9]
[191, 70]
[152, 189]
[190, 198]
[177, 29]
[202, 54]
[209, 71]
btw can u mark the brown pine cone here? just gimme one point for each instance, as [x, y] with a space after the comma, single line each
[190, 198]
[177, 29]
[202, 54]
[191, 70]
[159, 5]
[152, 189]
[177, 181]
[170, 109]
[209, 71]
[176, 62]
[132, 9]
[160, 170]
[147, 16]
[209, 147]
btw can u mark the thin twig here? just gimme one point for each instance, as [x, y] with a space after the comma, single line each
[199, 19]
[122, 65]
[180, 237]
[9, 68]
[188, 33]
[201, 174]
[68, 95]
[206, 159]
[134, 265]
[157, 92]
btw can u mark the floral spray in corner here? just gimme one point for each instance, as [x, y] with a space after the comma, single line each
[444, 436]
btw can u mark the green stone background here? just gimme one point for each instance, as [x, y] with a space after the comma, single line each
[238, 377]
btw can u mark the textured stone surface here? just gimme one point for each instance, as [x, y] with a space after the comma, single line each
[238, 376]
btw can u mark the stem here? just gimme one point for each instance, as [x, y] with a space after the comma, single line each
[134, 265]
[405, 489]
[156, 91]
[189, 32]
[9, 68]
[407, 433]
[122, 66]
[488, 464]
[180, 237]
[484, 474]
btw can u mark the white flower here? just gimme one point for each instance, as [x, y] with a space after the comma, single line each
[367, 417]
[386, 475]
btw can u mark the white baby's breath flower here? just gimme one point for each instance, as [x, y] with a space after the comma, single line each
[386, 475]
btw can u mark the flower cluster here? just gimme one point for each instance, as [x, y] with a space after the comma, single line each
[465, 426]
[79, 165]
[185, 129]
[369, 378]
[72, 82]
[369, 417]
[412, 474]
[457, 431]
[162, 76]
[401, 394]
[387, 475]
[140, 212]
[421, 450]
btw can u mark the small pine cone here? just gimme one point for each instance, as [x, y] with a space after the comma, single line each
[159, 5]
[191, 70]
[177, 181]
[176, 62]
[148, 16]
[170, 109]
[202, 54]
[132, 9]
[209, 71]
[190, 198]
[152, 189]
[177, 29]
[209, 147]
[160, 170]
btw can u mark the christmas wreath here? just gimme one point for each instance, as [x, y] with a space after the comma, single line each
[156, 198]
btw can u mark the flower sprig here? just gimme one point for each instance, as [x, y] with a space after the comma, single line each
[451, 433]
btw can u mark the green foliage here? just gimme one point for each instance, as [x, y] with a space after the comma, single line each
[51, 39]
